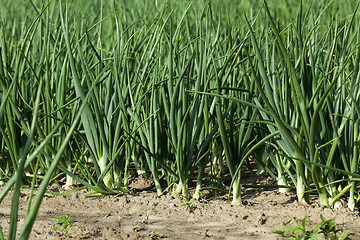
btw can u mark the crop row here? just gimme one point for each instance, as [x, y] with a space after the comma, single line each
[182, 93]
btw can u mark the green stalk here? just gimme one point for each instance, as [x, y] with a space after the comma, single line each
[32, 212]
[293, 149]
[351, 201]
[20, 172]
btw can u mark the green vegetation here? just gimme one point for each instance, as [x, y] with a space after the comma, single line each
[136, 228]
[64, 224]
[324, 230]
[155, 235]
[189, 206]
[184, 92]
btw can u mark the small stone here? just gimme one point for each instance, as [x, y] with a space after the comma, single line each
[262, 219]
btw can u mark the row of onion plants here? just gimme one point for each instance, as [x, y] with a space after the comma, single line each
[186, 94]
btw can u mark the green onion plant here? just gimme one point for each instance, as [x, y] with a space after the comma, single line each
[188, 94]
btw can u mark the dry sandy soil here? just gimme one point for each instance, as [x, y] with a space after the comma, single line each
[136, 215]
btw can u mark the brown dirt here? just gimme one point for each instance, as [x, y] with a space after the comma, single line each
[135, 216]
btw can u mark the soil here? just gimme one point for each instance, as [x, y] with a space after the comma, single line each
[142, 213]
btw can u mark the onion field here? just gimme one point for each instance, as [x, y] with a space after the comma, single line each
[183, 93]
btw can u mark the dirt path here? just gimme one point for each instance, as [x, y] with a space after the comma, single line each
[136, 216]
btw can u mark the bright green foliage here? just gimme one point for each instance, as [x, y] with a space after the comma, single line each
[136, 228]
[64, 224]
[155, 235]
[326, 229]
[189, 206]
[183, 92]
